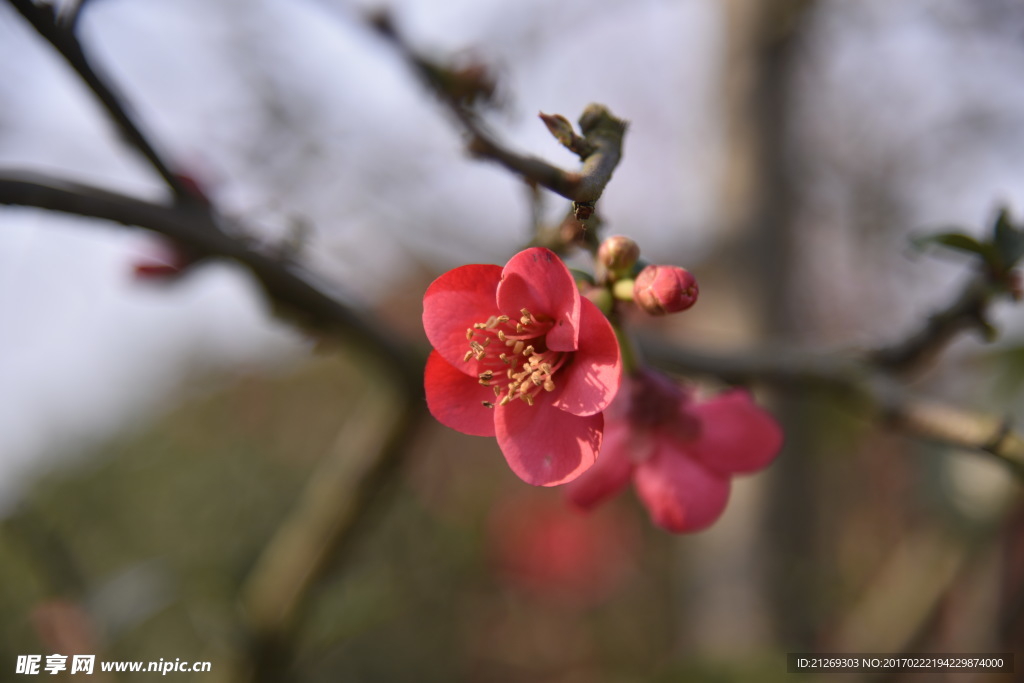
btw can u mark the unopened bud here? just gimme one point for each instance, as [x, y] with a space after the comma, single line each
[618, 254]
[665, 289]
[169, 261]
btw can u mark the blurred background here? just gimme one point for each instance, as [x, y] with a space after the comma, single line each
[153, 437]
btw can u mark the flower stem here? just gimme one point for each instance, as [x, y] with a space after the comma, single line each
[630, 357]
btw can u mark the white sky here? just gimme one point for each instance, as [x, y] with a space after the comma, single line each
[289, 109]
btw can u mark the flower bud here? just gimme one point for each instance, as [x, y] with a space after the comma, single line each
[167, 263]
[665, 289]
[618, 254]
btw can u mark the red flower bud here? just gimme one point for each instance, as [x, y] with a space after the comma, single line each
[618, 254]
[665, 289]
[169, 261]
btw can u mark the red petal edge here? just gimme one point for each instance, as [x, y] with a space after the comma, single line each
[736, 434]
[679, 492]
[453, 303]
[536, 279]
[456, 400]
[546, 446]
[612, 471]
[593, 378]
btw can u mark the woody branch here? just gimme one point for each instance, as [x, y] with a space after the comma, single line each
[461, 89]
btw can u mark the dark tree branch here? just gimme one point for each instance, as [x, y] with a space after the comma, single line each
[774, 366]
[59, 31]
[966, 311]
[858, 380]
[294, 292]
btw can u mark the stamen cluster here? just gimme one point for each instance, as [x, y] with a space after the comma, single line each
[520, 354]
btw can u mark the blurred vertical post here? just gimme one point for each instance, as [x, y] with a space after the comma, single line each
[757, 563]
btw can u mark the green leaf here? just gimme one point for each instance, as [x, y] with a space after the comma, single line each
[1007, 241]
[957, 241]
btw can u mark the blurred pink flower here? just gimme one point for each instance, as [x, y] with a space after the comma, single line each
[519, 355]
[544, 548]
[679, 453]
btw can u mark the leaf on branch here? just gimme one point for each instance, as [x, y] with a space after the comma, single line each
[957, 241]
[1000, 254]
[1007, 241]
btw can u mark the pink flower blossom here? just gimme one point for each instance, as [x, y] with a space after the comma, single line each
[679, 453]
[519, 355]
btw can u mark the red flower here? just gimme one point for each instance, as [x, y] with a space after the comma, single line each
[521, 356]
[680, 454]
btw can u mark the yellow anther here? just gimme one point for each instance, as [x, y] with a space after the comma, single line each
[549, 385]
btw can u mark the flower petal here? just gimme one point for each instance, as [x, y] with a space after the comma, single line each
[679, 492]
[736, 435]
[453, 303]
[592, 380]
[612, 471]
[536, 279]
[456, 399]
[546, 446]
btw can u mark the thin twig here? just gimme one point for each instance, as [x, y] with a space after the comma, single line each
[600, 147]
[60, 33]
[945, 424]
[966, 311]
